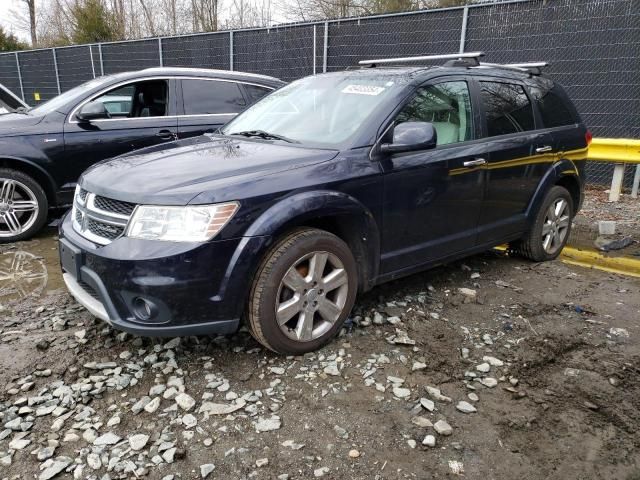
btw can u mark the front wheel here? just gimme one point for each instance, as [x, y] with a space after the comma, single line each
[551, 228]
[303, 292]
[23, 206]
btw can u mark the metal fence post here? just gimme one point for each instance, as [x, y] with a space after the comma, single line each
[93, 67]
[231, 50]
[101, 62]
[314, 49]
[463, 30]
[55, 67]
[326, 47]
[20, 77]
[160, 52]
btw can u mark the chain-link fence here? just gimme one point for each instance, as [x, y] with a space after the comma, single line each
[592, 46]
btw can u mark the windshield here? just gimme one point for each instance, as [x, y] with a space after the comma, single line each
[323, 110]
[69, 96]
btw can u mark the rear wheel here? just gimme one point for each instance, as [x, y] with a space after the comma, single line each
[303, 292]
[23, 206]
[551, 228]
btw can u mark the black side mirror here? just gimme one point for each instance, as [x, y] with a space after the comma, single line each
[411, 137]
[93, 111]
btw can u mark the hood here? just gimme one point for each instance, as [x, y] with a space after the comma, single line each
[16, 123]
[175, 173]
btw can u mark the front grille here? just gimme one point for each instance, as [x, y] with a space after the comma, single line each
[104, 230]
[100, 219]
[113, 206]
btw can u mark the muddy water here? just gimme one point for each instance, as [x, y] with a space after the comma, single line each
[29, 269]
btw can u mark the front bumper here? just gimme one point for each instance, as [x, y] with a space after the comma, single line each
[154, 288]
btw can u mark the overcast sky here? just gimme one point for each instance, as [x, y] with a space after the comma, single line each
[6, 19]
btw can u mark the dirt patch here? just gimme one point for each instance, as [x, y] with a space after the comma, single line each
[560, 344]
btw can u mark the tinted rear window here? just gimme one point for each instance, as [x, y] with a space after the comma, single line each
[202, 97]
[255, 92]
[507, 108]
[553, 107]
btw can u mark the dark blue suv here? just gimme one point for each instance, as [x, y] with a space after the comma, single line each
[323, 189]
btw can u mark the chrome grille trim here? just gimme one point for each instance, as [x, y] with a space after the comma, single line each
[97, 224]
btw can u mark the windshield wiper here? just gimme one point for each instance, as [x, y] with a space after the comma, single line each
[22, 110]
[264, 135]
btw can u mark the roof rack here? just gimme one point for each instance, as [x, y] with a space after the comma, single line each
[474, 56]
[468, 59]
[534, 68]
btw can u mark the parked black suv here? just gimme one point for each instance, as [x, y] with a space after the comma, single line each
[44, 150]
[326, 187]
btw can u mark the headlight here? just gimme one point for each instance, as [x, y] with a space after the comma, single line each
[196, 223]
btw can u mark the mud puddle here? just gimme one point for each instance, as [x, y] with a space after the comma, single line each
[29, 269]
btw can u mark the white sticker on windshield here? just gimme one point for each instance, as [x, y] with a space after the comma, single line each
[363, 89]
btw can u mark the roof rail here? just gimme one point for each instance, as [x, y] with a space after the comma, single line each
[534, 68]
[451, 56]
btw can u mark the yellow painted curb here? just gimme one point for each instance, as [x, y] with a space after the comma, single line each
[594, 259]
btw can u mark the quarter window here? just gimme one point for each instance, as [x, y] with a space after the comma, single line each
[447, 106]
[553, 108]
[507, 108]
[255, 92]
[206, 97]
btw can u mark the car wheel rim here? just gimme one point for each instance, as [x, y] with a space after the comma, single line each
[18, 207]
[556, 226]
[312, 296]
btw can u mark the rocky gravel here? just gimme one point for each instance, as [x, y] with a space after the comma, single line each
[488, 368]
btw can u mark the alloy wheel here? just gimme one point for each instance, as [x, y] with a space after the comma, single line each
[556, 226]
[18, 207]
[312, 296]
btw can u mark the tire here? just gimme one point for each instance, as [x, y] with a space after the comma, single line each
[298, 256]
[539, 245]
[20, 223]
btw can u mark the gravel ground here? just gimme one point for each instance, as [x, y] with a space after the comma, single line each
[597, 207]
[491, 368]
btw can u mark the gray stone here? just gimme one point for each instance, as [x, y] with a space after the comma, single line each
[185, 402]
[45, 452]
[442, 428]
[108, 438]
[54, 467]
[94, 461]
[483, 367]
[427, 404]
[268, 424]
[206, 469]
[189, 421]
[153, 405]
[429, 441]
[465, 407]
[138, 442]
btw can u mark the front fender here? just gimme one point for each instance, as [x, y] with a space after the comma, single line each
[353, 220]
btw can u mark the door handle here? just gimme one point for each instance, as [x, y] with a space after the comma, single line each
[165, 134]
[474, 163]
[546, 148]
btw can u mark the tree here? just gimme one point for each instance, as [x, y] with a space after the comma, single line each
[92, 22]
[9, 42]
[31, 7]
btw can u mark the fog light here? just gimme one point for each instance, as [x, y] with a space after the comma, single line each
[144, 309]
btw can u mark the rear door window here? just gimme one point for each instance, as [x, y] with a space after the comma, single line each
[553, 107]
[207, 97]
[507, 108]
